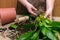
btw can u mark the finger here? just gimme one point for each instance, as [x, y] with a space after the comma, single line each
[30, 11]
[34, 8]
[45, 15]
[50, 17]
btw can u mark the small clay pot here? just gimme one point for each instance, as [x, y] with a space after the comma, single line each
[7, 15]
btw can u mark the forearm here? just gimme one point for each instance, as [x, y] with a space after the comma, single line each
[24, 2]
[49, 4]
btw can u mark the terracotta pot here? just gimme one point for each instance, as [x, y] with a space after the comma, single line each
[7, 15]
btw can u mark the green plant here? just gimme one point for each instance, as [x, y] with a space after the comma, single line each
[14, 26]
[42, 25]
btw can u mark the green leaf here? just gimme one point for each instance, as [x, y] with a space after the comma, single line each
[48, 33]
[26, 36]
[48, 20]
[55, 26]
[35, 35]
[41, 17]
[31, 18]
[37, 21]
[28, 25]
[37, 38]
[57, 35]
[13, 26]
[46, 38]
[46, 25]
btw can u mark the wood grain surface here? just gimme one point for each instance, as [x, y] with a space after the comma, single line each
[7, 3]
[57, 8]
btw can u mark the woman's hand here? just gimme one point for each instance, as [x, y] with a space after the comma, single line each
[49, 14]
[31, 9]
[49, 8]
